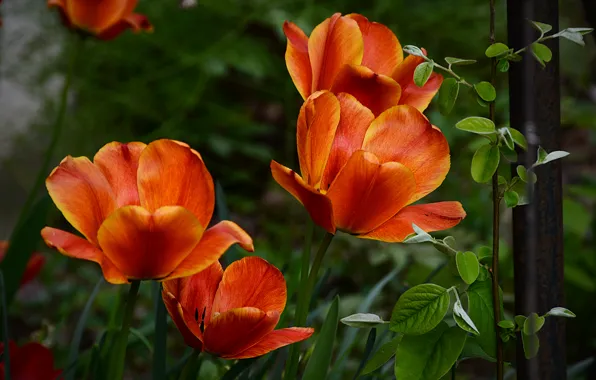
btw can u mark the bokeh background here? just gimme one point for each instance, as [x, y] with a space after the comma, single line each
[213, 75]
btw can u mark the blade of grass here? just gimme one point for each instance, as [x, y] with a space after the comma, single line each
[370, 344]
[237, 369]
[160, 338]
[318, 365]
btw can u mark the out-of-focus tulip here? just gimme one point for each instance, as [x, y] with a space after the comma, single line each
[34, 264]
[232, 313]
[143, 210]
[31, 361]
[105, 19]
[360, 174]
[365, 59]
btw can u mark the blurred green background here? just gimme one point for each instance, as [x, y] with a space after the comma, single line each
[213, 75]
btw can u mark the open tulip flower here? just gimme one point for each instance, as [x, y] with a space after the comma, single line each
[105, 19]
[351, 54]
[33, 267]
[143, 210]
[232, 313]
[360, 173]
[31, 361]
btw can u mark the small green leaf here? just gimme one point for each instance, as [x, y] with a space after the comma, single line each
[459, 61]
[582, 31]
[522, 173]
[521, 188]
[560, 312]
[503, 65]
[509, 154]
[542, 51]
[502, 181]
[541, 27]
[544, 158]
[383, 355]
[413, 50]
[420, 309]
[462, 319]
[511, 198]
[481, 102]
[485, 254]
[318, 365]
[513, 57]
[497, 49]
[473, 350]
[506, 324]
[429, 356]
[485, 163]
[486, 91]
[477, 124]
[507, 138]
[531, 345]
[484, 275]
[520, 320]
[533, 324]
[518, 138]
[480, 309]
[363, 320]
[419, 236]
[422, 73]
[467, 266]
[574, 34]
[448, 95]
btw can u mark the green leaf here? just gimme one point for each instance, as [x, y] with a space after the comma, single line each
[560, 312]
[541, 27]
[481, 102]
[383, 355]
[497, 49]
[486, 91]
[507, 138]
[544, 158]
[541, 155]
[485, 254]
[477, 124]
[574, 34]
[370, 344]
[511, 198]
[518, 138]
[521, 188]
[531, 345]
[462, 319]
[473, 350]
[485, 163]
[484, 275]
[522, 173]
[414, 50]
[420, 309]
[419, 236]
[533, 324]
[506, 324]
[467, 266]
[508, 154]
[582, 31]
[520, 320]
[318, 365]
[542, 51]
[480, 309]
[448, 95]
[513, 57]
[422, 73]
[429, 356]
[449, 240]
[459, 61]
[363, 320]
[503, 65]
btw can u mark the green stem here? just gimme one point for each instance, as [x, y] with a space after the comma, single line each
[453, 74]
[118, 355]
[160, 337]
[192, 367]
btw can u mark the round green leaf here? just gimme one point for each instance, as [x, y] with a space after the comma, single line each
[531, 345]
[448, 95]
[477, 124]
[363, 320]
[429, 356]
[503, 65]
[541, 27]
[485, 163]
[422, 73]
[496, 49]
[459, 61]
[485, 254]
[542, 52]
[533, 324]
[486, 91]
[511, 198]
[420, 309]
[467, 266]
[506, 324]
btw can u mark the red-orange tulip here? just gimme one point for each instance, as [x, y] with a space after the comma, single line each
[232, 313]
[360, 173]
[105, 19]
[143, 210]
[351, 54]
[31, 361]
[33, 267]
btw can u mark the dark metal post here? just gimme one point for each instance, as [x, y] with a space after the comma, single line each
[534, 95]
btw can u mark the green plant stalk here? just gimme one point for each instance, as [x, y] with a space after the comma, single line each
[192, 367]
[496, 198]
[160, 335]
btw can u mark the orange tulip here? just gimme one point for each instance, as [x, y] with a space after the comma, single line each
[31, 361]
[33, 267]
[360, 174]
[232, 313]
[351, 54]
[105, 19]
[143, 210]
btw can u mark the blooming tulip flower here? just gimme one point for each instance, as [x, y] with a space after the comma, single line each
[104, 19]
[33, 267]
[351, 54]
[360, 174]
[143, 210]
[31, 361]
[232, 313]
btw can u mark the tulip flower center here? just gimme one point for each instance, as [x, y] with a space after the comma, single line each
[202, 323]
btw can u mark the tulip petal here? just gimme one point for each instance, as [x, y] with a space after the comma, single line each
[317, 123]
[119, 163]
[318, 205]
[214, 243]
[367, 193]
[82, 193]
[251, 282]
[31, 361]
[172, 174]
[353, 123]
[418, 97]
[335, 42]
[236, 330]
[73, 246]
[374, 91]
[134, 21]
[33, 268]
[145, 245]
[297, 59]
[382, 50]
[402, 134]
[430, 217]
[96, 16]
[274, 340]
[177, 313]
